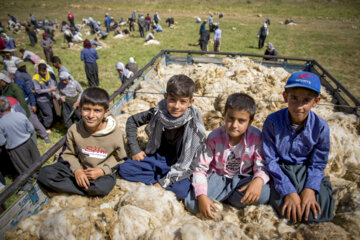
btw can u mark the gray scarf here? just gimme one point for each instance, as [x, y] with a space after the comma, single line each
[193, 140]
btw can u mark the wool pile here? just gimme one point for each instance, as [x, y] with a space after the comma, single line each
[137, 211]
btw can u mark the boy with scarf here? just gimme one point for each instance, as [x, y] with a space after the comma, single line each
[231, 168]
[94, 147]
[296, 146]
[176, 137]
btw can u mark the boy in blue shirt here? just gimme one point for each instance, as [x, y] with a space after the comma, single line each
[296, 146]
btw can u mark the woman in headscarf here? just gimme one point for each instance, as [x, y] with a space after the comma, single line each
[89, 56]
[9, 41]
[270, 52]
[46, 43]
[124, 74]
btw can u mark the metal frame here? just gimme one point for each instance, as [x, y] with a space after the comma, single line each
[310, 65]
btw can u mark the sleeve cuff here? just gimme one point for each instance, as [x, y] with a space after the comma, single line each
[263, 176]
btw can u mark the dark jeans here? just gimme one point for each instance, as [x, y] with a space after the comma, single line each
[58, 177]
[150, 171]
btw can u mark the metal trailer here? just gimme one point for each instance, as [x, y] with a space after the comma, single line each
[30, 203]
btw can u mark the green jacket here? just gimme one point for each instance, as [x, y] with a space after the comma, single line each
[13, 90]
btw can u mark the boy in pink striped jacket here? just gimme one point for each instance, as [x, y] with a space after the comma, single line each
[231, 168]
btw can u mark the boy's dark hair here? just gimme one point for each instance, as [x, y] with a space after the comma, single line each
[95, 96]
[22, 50]
[55, 59]
[42, 66]
[181, 86]
[314, 94]
[241, 101]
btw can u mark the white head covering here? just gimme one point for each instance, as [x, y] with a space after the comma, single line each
[269, 46]
[119, 66]
[265, 25]
[131, 59]
[64, 75]
[126, 73]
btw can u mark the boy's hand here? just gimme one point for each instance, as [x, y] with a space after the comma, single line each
[62, 98]
[139, 156]
[33, 108]
[52, 89]
[157, 185]
[93, 173]
[308, 201]
[253, 191]
[205, 205]
[292, 207]
[81, 178]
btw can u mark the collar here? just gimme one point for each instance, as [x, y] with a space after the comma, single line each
[38, 78]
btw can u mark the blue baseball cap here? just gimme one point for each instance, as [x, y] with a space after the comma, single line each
[304, 80]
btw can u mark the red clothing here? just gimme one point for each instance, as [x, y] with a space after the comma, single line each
[2, 44]
[148, 18]
[70, 16]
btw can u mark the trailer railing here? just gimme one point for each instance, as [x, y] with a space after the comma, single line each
[334, 87]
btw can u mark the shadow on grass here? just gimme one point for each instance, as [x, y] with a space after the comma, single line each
[252, 47]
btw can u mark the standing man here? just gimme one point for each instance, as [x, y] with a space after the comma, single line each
[45, 88]
[141, 23]
[147, 22]
[156, 18]
[56, 62]
[71, 19]
[217, 38]
[133, 15]
[30, 30]
[210, 20]
[21, 75]
[263, 32]
[204, 39]
[89, 56]
[107, 22]
[47, 44]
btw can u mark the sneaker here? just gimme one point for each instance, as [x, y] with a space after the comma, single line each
[48, 131]
[47, 140]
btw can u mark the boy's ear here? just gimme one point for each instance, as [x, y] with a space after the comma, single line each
[285, 96]
[316, 101]
[107, 111]
[191, 101]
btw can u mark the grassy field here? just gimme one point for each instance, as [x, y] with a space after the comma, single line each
[327, 30]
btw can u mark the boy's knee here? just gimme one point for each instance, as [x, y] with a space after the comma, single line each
[44, 174]
[123, 169]
[191, 204]
[265, 194]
